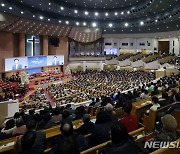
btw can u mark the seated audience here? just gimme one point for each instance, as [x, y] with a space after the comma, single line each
[40, 142]
[27, 142]
[168, 132]
[66, 117]
[175, 106]
[130, 121]
[144, 94]
[68, 133]
[100, 131]
[155, 105]
[122, 142]
[9, 126]
[164, 100]
[86, 128]
[20, 128]
[56, 116]
[110, 110]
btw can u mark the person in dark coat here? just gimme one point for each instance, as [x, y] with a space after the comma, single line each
[86, 128]
[100, 131]
[27, 142]
[122, 142]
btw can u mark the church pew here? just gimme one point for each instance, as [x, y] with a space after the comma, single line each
[176, 114]
[149, 120]
[139, 136]
[168, 150]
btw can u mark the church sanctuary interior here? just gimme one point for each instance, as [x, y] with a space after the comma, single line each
[90, 76]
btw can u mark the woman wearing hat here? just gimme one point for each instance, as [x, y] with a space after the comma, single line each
[168, 132]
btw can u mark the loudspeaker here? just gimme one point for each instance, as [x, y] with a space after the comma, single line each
[54, 41]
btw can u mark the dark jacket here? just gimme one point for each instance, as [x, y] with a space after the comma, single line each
[86, 128]
[40, 142]
[100, 133]
[126, 147]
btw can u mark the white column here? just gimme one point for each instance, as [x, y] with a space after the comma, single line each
[101, 65]
[84, 66]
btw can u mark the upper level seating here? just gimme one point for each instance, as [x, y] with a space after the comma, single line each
[166, 59]
[122, 57]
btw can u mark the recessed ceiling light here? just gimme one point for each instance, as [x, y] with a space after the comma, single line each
[10, 8]
[94, 24]
[141, 23]
[49, 3]
[116, 13]
[122, 13]
[22, 12]
[110, 24]
[2, 4]
[75, 11]
[62, 8]
[84, 23]
[86, 13]
[41, 17]
[106, 14]
[77, 23]
[96, 13]
[34, 16]
[126, 24]
[67, 22]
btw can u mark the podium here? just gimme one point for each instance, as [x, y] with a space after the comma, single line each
[7, 109]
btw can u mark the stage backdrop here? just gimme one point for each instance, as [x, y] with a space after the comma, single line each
[33, 62]
[32, 45]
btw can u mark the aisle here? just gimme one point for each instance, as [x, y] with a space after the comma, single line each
[49, 98]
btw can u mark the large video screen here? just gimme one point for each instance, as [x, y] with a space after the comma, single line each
[16, 63]
[33, 62]
[111, 51]
[38, 61]
[55, 60]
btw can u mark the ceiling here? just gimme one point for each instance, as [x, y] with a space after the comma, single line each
[112, 16]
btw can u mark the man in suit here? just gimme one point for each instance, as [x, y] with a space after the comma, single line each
[16, 66]
[55, 61]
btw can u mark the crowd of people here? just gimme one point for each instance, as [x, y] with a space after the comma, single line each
[93, 84]
[73, 139]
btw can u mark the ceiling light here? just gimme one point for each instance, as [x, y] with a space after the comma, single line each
[126, 24]
[2, 4]
[59, 21]
[122, 13]
[86, 13]
[106, 14]
[110, 24]
[141, 23]
[77, 23]
[96, 13]
[22, 12]
[62, 8]
[10, 8]
[41, 17]
[84, 23]
[94, 24]
[49, 3]
[128, 12]
[75, 11]
[67, 22]
[116, 13]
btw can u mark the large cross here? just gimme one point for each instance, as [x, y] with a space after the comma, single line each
[33, 41]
